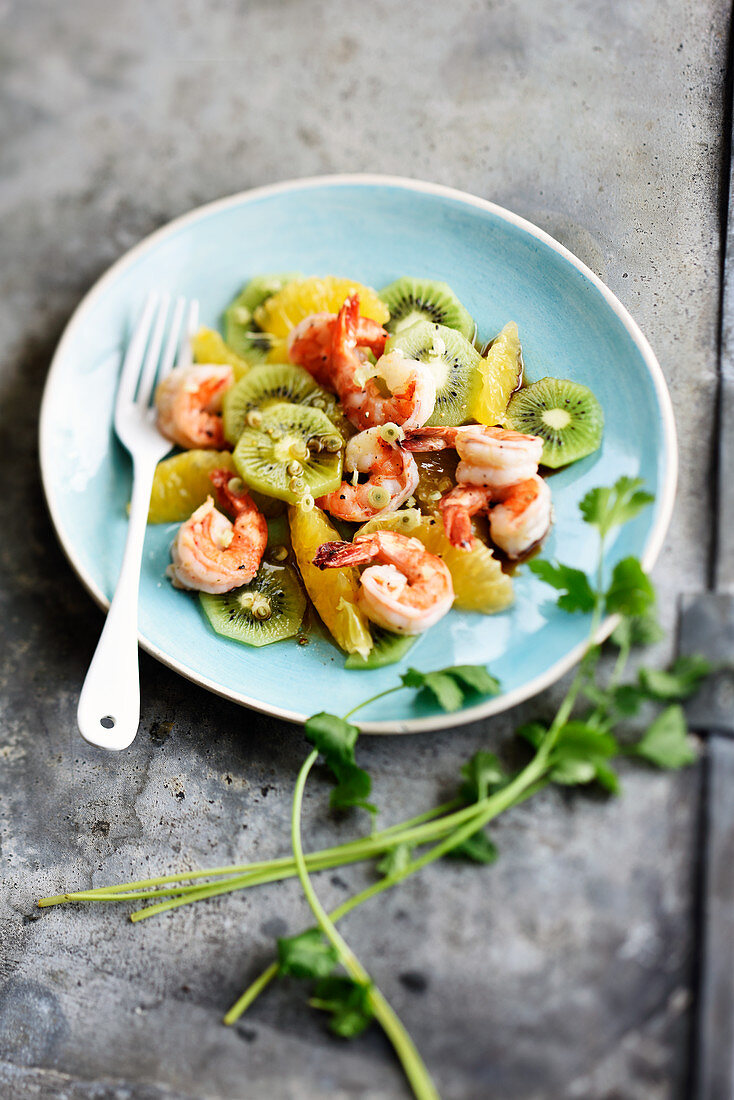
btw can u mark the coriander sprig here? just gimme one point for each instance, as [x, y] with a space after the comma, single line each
[579, 746]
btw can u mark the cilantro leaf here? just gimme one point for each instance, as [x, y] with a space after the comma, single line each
[606, 777]
[450, 685]
[352, 789]
[626, 699]
[580, 756]
[347, 1001]
[666, 743]
[533, 732]
[680, 681]
[482, 774]
[447, 692]
[577, 593]
[396, 860]
[580, 738]
[609, 507]
[631, 591]
[477, 848]
[638, 630]
[306, 955]
[476, 678]
[335, 739]
[572, 770]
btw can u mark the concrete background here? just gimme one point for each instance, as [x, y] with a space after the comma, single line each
[565, 970]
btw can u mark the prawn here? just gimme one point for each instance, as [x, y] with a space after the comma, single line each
[495, 458]
[310, 343]
[519, 515]
[411, 384]
[407, 590]
[393, 476]
[189, 402]
[213, 554]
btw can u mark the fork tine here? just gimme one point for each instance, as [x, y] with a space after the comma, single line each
[185, 355]
[148, 373]
[169, 354]
[135, 350]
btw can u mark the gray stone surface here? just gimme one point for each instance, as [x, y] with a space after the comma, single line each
[565, 970]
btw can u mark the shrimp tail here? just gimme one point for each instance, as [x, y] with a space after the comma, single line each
[335, 555]
[234, 503]
[456, 508]
[457, 525]
[371, 335]
[345, 326]
[429, 439]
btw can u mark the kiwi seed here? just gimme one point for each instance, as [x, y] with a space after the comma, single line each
[269, 608]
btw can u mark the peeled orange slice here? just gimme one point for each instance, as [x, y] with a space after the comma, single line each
[182, 483]
[332, 591]
[302, 297]
[207, 346]
[501, 371]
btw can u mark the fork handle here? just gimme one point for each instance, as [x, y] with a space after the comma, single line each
[109, 705]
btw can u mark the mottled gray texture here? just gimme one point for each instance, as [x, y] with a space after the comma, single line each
[564, 971]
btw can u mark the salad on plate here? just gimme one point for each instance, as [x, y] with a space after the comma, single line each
[361, 457]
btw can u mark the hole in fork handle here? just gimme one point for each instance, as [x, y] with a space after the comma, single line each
[108, 722]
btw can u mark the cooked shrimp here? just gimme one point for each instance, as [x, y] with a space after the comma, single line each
[212, 554]
[310, 343]
[407, 592]
[519, 516]
[491, 457]
[522, 517]
[411, 385]
[189, 403]
[393, 476]
[457, 507]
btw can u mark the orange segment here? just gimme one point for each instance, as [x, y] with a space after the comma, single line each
[332, 591]
[501, 371]
[182, 483]
[207, 346]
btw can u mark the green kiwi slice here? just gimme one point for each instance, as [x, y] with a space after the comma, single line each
[456, 366]
[411, 300]
[292, 452]
[240, 331]
[387, 648]
[271, 607]
[270, 384]
[566, 415]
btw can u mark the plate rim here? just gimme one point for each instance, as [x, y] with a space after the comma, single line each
[489, 707]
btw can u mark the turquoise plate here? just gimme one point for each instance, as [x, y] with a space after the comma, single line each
[374, 229]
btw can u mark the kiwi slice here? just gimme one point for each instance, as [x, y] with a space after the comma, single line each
[240, 331]
[387, 648]
[270, 384]
[271, 607]
[411, 300]
[456, 366]
[566, 416]
[292, 452]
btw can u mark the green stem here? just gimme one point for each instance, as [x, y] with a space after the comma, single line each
[373, 699]
[410, 1059]
[260, 983]
[128, 891]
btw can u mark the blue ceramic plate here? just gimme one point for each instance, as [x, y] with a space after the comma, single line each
[373, 229]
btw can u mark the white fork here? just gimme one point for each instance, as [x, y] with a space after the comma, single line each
[109, 705]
